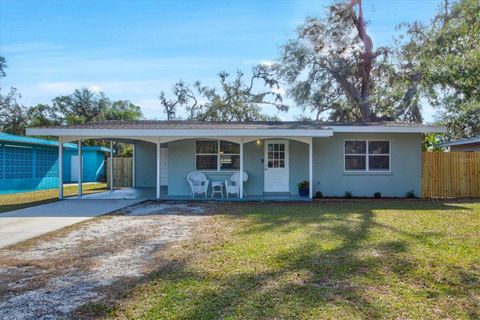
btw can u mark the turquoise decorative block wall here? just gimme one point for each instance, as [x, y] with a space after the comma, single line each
[27, 165]
[26, 168]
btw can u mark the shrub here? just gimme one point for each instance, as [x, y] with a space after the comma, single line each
[377, 195]
[303, 185]
[348, 194]
[410, 194]
[318, 194]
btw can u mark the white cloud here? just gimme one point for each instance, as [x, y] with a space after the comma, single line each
[264, 62]
[95, 89]
[267, 63]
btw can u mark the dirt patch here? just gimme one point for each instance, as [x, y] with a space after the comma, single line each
[55, 276]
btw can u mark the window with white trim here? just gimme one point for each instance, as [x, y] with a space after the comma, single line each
[367, 156]
[217, 155]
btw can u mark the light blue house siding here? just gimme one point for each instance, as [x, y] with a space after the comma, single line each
[145, 164]
[330, 178]
[181, 161]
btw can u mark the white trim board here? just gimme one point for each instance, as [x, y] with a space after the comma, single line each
[200, 133]
[128, 133]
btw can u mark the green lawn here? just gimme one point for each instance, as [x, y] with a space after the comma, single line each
[333, 260]
[9, 202]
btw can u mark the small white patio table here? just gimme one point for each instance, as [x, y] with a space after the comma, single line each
[217, 187]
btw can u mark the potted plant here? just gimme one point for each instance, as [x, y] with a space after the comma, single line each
[304, 188]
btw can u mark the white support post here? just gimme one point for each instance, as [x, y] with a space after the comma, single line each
[60, 168]
[241, 169]
[158, 168]
[80, 169]
[310, 168]
[111, 166]
[134, 156]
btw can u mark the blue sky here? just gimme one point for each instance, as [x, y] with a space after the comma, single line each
[134, 49]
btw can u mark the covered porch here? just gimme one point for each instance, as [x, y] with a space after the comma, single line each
[270, 159]
[270, 168]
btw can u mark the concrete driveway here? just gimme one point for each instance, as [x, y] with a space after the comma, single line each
[23, 224]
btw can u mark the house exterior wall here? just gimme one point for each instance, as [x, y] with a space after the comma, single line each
[25, 167]
[145, 164]
[328, 166]
[406, 167]
[181, 161]
[93, 165]
[472, 147]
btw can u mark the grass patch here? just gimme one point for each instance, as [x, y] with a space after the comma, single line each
[357, 260]
[9, 202]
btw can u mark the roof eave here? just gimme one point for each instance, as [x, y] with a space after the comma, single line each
[180, 132]
[458, 143]
[324, 132]
[390, 129]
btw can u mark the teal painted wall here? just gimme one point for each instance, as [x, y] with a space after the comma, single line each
[406, 167]
[93, 165]
[24, 167]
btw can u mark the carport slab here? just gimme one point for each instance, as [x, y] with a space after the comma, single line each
[23, 224]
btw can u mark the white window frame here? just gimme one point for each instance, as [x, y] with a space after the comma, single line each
[218, 154]
[367, 156]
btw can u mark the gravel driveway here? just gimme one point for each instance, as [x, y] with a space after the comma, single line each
[59, 273]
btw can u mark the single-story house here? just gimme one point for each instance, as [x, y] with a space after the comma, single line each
[464, 145]
[270, 157]
[28, 164]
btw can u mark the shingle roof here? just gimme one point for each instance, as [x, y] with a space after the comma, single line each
[5, 137]
[460, 142]
[29, 140]
[218, 125]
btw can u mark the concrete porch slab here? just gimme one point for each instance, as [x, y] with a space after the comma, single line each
[149, 194]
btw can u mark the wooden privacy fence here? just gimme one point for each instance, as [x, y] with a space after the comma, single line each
[450, 174]
[122, 172]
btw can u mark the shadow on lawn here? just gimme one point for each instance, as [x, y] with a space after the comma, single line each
[10, 202]
[307, 277]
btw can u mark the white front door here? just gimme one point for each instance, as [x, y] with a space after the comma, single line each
[276, 166]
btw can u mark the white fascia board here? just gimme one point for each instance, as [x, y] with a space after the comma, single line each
[389, 129]
[458, 143]
[179, 132]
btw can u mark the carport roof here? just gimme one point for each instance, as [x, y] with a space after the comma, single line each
[219, 125]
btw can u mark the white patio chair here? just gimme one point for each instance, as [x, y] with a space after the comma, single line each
[232, 185]
[198, 183]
